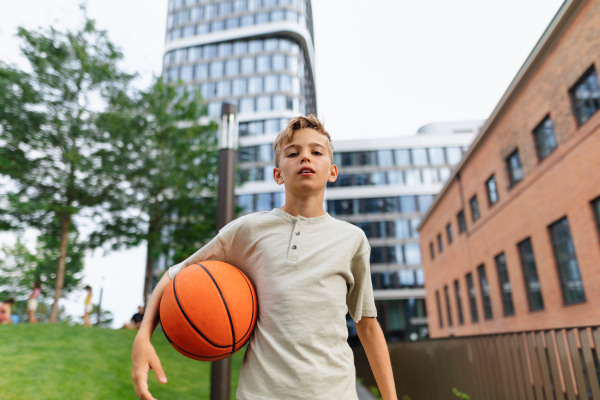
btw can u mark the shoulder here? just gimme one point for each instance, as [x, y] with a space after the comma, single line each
[247, 222]
[350, 234]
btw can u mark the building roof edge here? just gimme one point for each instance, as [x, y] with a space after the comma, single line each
[567, 11]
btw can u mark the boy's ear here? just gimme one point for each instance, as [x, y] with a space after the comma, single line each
[277, 176]
[333, 173]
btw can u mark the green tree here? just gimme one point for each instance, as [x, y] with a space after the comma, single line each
[170, 168]
[20, 267]
[49, 145]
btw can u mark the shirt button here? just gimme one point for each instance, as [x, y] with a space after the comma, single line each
[297, 233]
[294, 247]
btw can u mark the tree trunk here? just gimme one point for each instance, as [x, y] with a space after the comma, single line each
[149, 268]
[152, 228]
[60, 272]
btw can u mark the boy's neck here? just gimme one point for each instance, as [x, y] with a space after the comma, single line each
[308, 207]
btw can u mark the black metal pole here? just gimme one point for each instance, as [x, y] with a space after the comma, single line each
[220, 376]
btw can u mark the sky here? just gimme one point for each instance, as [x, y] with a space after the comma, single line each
[383, 69]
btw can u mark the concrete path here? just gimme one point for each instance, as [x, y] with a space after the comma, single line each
[363, 392]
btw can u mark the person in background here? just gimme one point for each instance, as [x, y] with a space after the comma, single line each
[7, 307]
[136, 320]
[2, 314]
[32, 303]
[88, 306]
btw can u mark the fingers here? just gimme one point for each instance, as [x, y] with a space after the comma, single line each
[158, 371]
[140, 381]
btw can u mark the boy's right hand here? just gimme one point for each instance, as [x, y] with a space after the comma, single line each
[144, 358]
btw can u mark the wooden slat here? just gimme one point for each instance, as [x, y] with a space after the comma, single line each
[517, 369]
[559, 388]
[529, 389]
[588, 358]
[480, 373]
[535, 366]
[498, 368]
[566, 364]
[577, 366]
[508, 382]
[491, 366]
[548, 381]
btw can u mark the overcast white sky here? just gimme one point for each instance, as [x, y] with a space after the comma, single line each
[384, 68]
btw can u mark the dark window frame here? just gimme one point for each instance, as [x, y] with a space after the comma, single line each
[596, 211]
[527, 273]
[439, 309]
[509, 169]
[473, 200]
[431, 250]
[462, 221]
[557, 257]
[536, 138]
[448, 308]
[508, 307]
[472, 294]
[449, 233]
[591, 70]
[486, 301]
[461, 319]
[488, 191]
[439, 242]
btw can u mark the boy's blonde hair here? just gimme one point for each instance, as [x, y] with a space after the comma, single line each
[295, 124]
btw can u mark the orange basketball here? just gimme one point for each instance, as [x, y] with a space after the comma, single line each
[209, 310]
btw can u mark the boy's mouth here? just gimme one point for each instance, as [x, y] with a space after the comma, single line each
[306, 171]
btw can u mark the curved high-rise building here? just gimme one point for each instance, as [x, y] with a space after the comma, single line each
[256, 54]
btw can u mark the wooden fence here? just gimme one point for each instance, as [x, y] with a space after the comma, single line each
[561, 364]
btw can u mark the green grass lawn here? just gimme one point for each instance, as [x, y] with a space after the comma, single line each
[72, 362]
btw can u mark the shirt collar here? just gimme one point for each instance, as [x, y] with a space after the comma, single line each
[315, 220]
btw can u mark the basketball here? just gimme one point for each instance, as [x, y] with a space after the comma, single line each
[208, 311]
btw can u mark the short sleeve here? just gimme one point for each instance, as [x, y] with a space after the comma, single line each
[213, 250]
[360, 299]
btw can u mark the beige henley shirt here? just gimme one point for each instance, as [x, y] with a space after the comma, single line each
[308, 273]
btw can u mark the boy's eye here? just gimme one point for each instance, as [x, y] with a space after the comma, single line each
[292, 154]
[317, 152]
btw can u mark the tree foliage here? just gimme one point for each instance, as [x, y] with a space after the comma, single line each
[50, 146]
[169, 166]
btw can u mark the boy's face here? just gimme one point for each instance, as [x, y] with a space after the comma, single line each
[305, 164]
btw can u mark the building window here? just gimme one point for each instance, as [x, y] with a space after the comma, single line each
[449, 233]
[439, 308]
[461, 320]
[439, 242]
[514, 168]
[485, 292]
[431, 251]
[532, 283]
[472, 300]
[462, 222]
[586, 96]
[505, 288]
[474, 208]
[492, 190]
[596, 207]
[544, 137]
[566, 261]
[448, 310]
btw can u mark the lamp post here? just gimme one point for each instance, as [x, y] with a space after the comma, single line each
[220, 375]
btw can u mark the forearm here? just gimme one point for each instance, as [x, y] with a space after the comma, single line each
[373, 342]
[150, 320]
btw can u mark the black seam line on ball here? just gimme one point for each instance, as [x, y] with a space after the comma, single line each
[226, 308]
[251, 298]
[187, 352]
[191, 324]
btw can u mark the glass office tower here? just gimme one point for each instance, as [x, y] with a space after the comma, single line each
[256, 54]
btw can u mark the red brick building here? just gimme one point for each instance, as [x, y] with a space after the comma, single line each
[512, 242]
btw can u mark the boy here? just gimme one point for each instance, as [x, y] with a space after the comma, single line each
[6, 307]
[309, 270]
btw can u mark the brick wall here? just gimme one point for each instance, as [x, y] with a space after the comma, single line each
[562, 184]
